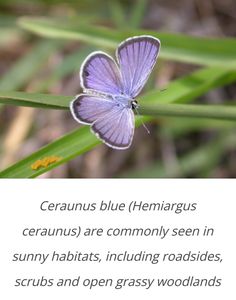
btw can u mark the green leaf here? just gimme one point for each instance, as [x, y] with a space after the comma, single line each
[220, 112]
[178, 47]
[35, 100]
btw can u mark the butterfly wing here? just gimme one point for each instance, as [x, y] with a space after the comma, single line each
[116, 129]
[86, 109]
[112, 122]
[137, 57]
[99, 72]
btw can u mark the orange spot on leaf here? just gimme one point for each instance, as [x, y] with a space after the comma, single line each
[44, 162]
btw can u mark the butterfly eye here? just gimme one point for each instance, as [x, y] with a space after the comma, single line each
[134, 104]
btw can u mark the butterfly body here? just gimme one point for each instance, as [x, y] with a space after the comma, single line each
[110, 88]
[125, 101]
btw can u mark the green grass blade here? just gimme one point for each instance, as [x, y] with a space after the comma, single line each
[137, 14]
[67, 147]
[9, 32]
[178, 47]
[198, 160]
[182, 126]
[25, 68]
[191, 86]
[220, 112]
[69, 65]
[117, 13]
[35, 100]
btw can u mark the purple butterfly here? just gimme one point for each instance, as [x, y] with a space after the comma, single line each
[110, 89]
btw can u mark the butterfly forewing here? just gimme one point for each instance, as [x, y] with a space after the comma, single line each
[137, 57]
[100, 73]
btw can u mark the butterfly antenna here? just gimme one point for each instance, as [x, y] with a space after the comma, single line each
[148, 131]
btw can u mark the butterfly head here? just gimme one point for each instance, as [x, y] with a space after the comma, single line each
[134, 104]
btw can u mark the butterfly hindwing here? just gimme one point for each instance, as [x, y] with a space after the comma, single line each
[110, 121]
[116, 129]
[88, 108]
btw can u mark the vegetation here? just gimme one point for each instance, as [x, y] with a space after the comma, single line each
[192, 121]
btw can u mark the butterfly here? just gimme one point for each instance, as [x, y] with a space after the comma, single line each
[110, 87]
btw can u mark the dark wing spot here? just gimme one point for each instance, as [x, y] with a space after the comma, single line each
[86, 73]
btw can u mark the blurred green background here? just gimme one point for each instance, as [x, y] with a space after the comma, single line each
[44, 56]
